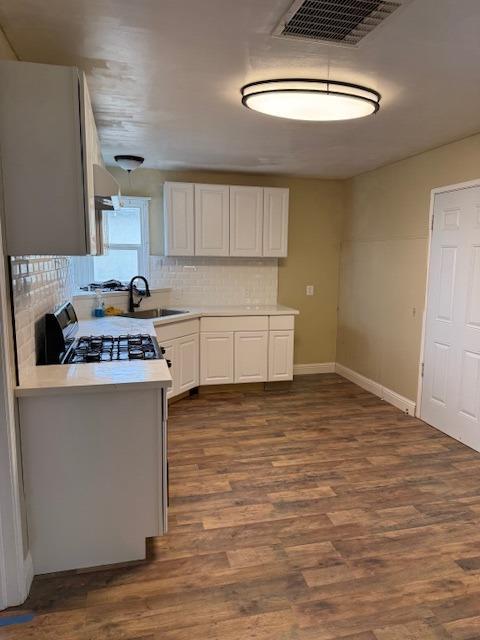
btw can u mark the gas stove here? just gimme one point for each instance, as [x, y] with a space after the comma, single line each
[107, 348]
[61, 345]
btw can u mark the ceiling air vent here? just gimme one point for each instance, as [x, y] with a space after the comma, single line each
[337, 21]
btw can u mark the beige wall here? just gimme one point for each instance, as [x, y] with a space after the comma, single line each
[316, 212]
[6, 52]
[384, 260]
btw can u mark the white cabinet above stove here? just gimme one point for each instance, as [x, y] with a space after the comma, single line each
[50, 150]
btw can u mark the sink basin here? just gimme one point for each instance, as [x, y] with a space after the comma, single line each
[152, 313]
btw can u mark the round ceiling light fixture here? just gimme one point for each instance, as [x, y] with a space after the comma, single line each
[129, 163]
[314, 100]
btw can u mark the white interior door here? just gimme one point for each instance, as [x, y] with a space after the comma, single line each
[451, 382]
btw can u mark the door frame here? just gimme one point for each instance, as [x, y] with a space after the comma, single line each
[434, 192]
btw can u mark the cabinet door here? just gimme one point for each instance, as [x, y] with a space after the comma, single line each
[43, 181]
[216, 358]
[171, 354]
[275, 222]
[212, 220]
[178, 216]
[251, 349]
[90, 157]
[246, 221]
[280, 355]
[187, 369]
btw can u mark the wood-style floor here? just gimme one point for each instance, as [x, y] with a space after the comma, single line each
[313, 513]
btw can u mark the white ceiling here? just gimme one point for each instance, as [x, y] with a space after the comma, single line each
[165, 77]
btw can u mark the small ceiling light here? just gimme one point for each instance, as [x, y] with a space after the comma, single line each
[129, 163]
[314, 100]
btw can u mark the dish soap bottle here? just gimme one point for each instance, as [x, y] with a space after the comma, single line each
[99, 306]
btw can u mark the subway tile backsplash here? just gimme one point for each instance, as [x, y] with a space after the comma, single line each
[206, 281]
[39, 284]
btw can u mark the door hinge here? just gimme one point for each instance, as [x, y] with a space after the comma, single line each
[433, 219]
[423, 369]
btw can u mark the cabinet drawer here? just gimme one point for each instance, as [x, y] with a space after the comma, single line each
[176, 330]
[234, 323]
[281, 323]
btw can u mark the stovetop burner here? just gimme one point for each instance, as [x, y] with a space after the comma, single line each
[107, 348]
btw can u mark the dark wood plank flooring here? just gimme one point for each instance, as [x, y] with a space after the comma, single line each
[311, 513]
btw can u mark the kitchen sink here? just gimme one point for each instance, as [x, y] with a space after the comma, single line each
[153, 313]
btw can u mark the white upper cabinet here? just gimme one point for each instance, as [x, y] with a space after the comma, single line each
[275, 222]
[49, 146]
[246, 221]
[178, 198]
[92, 156]
[222, 220]
[212, 220]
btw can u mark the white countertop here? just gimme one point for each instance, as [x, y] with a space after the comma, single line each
[99, 376]
[244, 310]
[108, 376]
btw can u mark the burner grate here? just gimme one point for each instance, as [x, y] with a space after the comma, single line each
[108, 348]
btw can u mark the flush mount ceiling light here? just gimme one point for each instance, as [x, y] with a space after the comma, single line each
[314, 100]
[129, 163]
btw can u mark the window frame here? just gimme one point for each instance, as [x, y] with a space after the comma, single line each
[84, 267]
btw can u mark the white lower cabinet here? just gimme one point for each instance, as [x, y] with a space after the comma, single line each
[280, 355]
[170, 355]
[181, 343]
[216, 357]
[187, 363]
[228, 350]
[183, 353]
[251, 356]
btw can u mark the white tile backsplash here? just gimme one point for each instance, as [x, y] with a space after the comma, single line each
[39, 285]
[200, 281]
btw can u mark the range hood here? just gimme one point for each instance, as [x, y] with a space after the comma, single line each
[107, 189]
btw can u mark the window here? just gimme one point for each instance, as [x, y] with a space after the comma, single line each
[126, 246]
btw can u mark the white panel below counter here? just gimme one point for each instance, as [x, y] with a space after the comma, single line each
[94, 470]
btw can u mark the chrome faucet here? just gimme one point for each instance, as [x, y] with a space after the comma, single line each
[134, 305]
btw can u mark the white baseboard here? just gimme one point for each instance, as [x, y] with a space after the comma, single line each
[402, 403]
[316, 367]
[392, 397]
[358, 379]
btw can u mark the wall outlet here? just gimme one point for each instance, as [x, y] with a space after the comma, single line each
[310, 290]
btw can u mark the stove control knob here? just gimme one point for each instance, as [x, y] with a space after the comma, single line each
[169, 363]
[162, 350]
